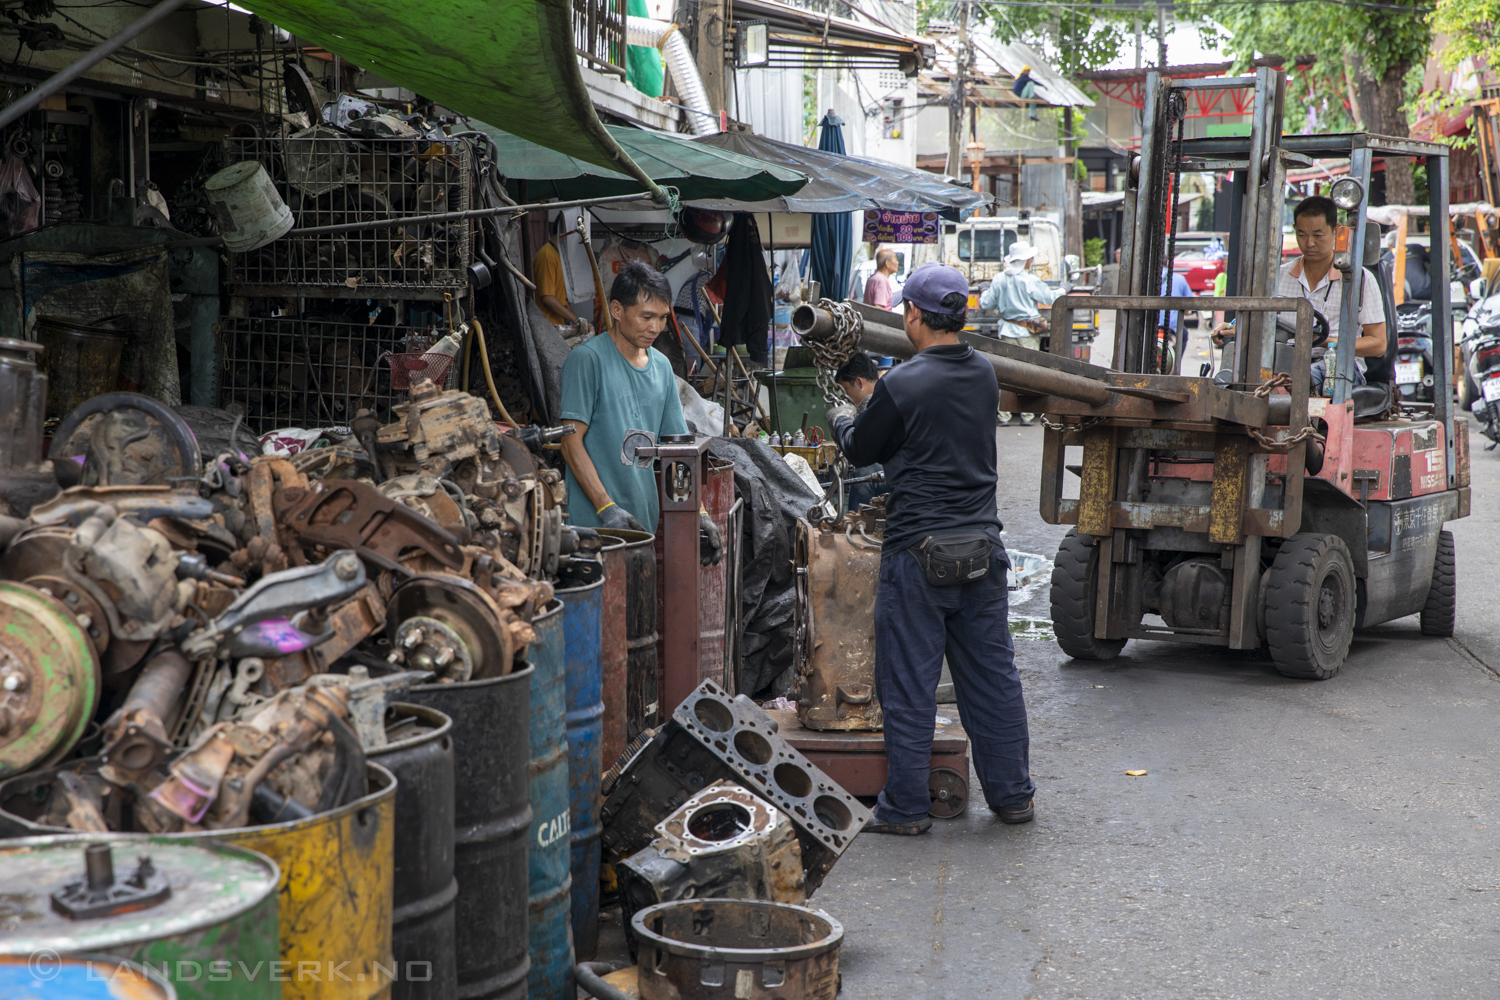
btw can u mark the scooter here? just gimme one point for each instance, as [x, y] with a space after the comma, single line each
[1414, 377]
[1481, 351]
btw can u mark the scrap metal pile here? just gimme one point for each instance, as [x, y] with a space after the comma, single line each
[211, 639]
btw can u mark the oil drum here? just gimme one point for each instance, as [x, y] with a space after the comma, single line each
[582, 657]
[614, 655]
[551, 902]
[80, 977]
[204, 917]
[642, 701]
[491, 821]
[420, 754]
[335, 889]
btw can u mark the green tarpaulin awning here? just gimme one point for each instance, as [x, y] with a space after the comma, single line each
[511, 62]
[698, 171]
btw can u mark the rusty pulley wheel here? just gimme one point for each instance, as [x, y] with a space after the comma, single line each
[949, 791]
[49, 679]
[447, 625]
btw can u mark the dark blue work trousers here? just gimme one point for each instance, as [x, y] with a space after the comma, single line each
[915, 625]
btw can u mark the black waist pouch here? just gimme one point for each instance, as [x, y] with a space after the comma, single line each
[954, 558]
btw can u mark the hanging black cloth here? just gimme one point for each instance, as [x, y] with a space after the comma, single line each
[747, 290]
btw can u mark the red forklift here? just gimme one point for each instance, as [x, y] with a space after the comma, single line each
[1248, 507]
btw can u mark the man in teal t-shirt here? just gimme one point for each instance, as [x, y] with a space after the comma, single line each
[616, 383]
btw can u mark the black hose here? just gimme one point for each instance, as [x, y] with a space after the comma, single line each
[590, 976]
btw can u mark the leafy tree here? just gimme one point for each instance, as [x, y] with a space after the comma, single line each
[1362, 52]
[1072, 39]
[1473, 30]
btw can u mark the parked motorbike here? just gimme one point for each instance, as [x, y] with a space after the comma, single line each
[1481, 354]
[1414, 372]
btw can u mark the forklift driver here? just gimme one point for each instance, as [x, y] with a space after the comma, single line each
[942, 585]
[1313, 277]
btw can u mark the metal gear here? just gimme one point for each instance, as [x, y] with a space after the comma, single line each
[949, 791]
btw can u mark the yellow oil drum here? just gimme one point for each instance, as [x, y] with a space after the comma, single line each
[336, 891]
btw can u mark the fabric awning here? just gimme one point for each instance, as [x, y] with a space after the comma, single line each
[696, 171]
[510, 62]
[845, 183]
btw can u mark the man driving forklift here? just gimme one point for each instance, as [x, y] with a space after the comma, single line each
[1313, 277]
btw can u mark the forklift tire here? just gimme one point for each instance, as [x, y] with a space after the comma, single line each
[1310, 606]
[1075, 584]
[1441, 610]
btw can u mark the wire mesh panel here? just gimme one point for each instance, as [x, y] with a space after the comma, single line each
[328, 178]
[305, 373]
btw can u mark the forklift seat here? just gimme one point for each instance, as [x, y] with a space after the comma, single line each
[1371, 401]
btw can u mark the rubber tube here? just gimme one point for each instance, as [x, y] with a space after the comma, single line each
[590, 976]
[484, 358]
[667, 37]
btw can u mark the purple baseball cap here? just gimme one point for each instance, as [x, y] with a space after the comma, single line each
[928, 285]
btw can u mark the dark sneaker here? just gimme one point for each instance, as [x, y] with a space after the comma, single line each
[1016, 815]
[912, 829]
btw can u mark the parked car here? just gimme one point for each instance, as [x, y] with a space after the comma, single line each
[1200, 259]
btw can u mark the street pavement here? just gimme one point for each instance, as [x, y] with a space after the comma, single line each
[1289, 839]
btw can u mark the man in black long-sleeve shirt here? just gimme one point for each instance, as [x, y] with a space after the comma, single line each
[931, 423]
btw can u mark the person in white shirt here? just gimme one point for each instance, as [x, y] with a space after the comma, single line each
[1015, 294]
[1313, 277]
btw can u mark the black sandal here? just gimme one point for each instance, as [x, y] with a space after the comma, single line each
[912, 829]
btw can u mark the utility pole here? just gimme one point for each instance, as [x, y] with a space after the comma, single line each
[711, 53]
[956, 99]
[1137, 43]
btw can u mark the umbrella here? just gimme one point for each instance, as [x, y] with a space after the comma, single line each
[832, 234]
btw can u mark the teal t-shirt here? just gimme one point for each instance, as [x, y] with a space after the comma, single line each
[609, 394]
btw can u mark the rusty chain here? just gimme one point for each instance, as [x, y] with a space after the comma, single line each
[1281, 446]
[1281, 380]
[1088, 423]
[830, 354]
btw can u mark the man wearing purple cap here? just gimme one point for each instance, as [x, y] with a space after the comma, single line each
[931, 423]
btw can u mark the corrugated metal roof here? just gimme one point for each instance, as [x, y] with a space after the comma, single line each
[1057, 89]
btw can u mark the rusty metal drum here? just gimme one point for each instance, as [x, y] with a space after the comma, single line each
[642, 693]
[614, 654]
[420, 754]
[838, 572]
[492, 818]
[737, 949]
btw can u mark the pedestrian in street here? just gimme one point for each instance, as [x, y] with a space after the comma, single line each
[878, 287]
[942, 585]
[1015, 294]
[615, 384]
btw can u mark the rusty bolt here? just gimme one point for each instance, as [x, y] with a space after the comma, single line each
[346, 566]
[85, 622]
[16, 681]
[444, 656]
[511, 487]
[412, 639]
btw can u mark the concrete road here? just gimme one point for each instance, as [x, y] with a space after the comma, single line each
[1290, 839]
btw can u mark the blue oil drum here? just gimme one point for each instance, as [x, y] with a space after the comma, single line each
[551, 887]
[583, 626]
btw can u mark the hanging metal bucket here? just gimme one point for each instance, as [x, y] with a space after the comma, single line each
[213, 936]
[422, 929]
[583, 616]
[80, 977]
[641, 695]
[247, 206]
[335, 888]
[491, 820]
[551, 976]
